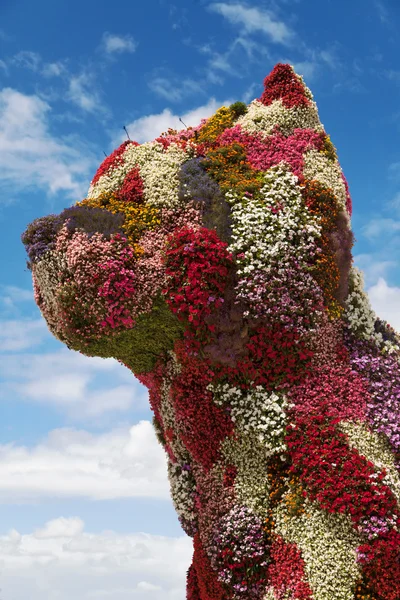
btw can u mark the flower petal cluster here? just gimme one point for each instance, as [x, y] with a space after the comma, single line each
[215, 263]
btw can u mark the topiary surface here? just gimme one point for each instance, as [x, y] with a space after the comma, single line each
[215, 263]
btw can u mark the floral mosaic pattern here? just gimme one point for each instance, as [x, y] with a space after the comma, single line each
[215, 263]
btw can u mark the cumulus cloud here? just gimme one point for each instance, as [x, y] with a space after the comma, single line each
[70, 463]
[81, 387]
[385, 301]
[117, 44]
[61, 561]
[253, 19]
[149, 127]
[30, 155]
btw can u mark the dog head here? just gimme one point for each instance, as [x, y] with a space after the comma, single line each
[242, 219]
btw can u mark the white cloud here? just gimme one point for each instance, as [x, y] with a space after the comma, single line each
[378, 226]
[254, 19]
[55, 69]
[395, 201]
[385, 301]
[174, 89]
[383, 12]
[60, 528]
[19, 335]
[12, 295]
[68, 381]
[149, 127]
[235, 60]
[83, 93]
[34, 62]
[70, 463]
[221, 62]
[394, 173]
[329, 58]
[315, 60]
[114, 44]
[306, 68]
[393, 75]
[61, 561]
[27, 59]
[30, 156]
[251, 93]
[373, 267]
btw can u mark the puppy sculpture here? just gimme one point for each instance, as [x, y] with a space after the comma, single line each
[215, 263]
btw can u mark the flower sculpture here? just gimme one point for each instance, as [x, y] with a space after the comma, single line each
[215, 263]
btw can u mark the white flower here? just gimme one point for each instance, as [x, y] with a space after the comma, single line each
[260, 118]
[328, 544]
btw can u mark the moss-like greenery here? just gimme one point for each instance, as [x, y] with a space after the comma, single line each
[139, 348]
[238, 109]
[159, 432]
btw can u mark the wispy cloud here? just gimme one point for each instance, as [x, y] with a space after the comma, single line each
[4, 36]
[253, 19]
[27, 60]
[378, 226]
[54, 69]
[306, 68]
[175, 89]
[17, 335]
[235, 60]
[33, 61]
[62, 560]
[83, 93]
[382, 11]
[31, 156]
[81, 88]
[117, 44]
[315, 60]
[394, 172]
[393, 75]
[67, 381]
[11, 296]
[395, 201]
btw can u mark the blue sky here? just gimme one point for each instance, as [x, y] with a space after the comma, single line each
[83, 483]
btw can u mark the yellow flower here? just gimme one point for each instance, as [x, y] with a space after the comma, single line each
[139, 218]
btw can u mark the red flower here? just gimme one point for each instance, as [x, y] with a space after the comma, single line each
[282, 83]
[286, 571]
[132, 188]
[113, 160]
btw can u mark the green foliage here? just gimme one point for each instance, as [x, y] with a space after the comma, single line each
[238, 109]
[139, 348]
[159, 432]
